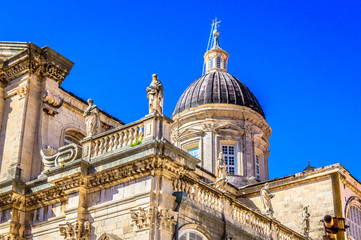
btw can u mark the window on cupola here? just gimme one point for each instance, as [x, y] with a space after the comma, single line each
[194, 152]
[218, 62]
[229, 158]
[211, 63]
[224, 64]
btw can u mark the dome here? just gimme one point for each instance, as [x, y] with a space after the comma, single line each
[217, 87]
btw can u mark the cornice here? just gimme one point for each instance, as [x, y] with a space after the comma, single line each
[43, 62]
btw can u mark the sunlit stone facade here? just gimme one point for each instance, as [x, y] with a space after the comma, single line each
[154, 178]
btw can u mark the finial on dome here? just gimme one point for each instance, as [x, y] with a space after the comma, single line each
[215, 25]
[215, 59]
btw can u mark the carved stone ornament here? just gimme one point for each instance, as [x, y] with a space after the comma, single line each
[155, 95]
[9, 237]
[51, 102]
[23, 89]
[75, 230]
[66, 154]
[142, 217]
[167, 218]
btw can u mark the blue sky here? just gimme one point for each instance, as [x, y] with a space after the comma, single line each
[301, 59]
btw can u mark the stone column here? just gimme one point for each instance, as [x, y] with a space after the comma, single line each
[248, 152]
[240, 160]
[208, 151]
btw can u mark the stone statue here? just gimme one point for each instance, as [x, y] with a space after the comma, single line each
[306, 221]
[222, 172]
[266, 196]
[92, 119]
[155, 95]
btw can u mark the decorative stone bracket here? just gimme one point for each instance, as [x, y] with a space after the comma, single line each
[66, 154]
[51, 102]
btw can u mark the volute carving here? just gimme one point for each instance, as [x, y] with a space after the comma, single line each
[66, 154]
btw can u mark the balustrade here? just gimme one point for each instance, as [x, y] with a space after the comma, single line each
[125, 136]
[242, 215]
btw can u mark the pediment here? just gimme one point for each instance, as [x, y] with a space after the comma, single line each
[107, 236]
[190, 132]
[229, 128]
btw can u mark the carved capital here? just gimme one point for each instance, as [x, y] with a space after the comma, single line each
[142, 217]
[167, 218]
[75, 230]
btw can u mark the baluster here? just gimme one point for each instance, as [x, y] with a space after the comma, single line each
[101, 147]
[131, 136]
[141, 132]
[126, 138]
[121, 140]
[106, 144]
[136, 134]
[111, 143]
[95, 148]
[116, 140]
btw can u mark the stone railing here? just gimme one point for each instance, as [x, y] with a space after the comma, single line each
[150, 127]
[241, 215]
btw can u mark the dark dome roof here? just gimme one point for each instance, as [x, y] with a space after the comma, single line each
[217, 87]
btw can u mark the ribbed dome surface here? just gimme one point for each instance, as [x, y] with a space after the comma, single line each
[217, 87]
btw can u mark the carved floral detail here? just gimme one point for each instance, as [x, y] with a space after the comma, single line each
[75, 230]
[142, 217]
[23, 89]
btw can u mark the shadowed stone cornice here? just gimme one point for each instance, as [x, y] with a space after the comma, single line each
[43, 62]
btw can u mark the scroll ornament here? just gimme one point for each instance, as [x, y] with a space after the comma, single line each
[67, 153]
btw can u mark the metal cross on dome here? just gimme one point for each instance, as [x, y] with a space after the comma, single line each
[215, 24]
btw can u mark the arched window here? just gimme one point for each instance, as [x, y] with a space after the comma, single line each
[353, 220]
[211, 63]
[73, 136]
[224, 64]
[218, 62]
[192, 235]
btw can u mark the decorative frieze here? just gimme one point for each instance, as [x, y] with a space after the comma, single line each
[75, 230]
[142, 217]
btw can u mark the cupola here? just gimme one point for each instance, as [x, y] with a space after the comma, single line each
[216, 58]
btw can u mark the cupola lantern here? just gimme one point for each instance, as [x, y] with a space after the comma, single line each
[216, 58]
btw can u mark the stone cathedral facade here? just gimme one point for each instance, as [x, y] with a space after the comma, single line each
[71, 171]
